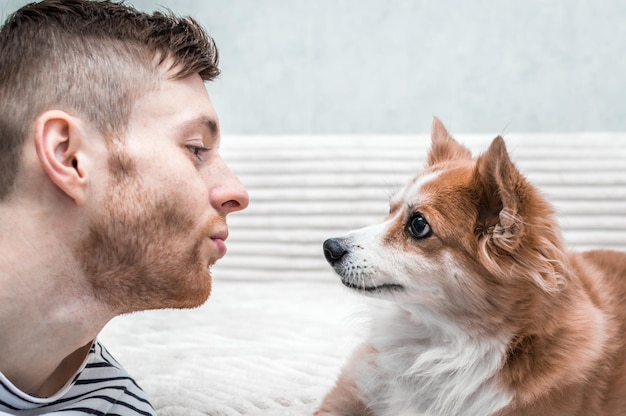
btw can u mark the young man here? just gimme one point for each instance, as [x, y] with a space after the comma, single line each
[113, 195]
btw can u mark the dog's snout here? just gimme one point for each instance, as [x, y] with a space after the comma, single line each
[333, 250]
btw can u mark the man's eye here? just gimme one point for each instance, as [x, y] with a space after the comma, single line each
[198, 151]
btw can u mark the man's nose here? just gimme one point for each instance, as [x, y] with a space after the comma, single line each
[229, 194]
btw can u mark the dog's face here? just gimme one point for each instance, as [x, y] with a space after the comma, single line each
[453, 235]
[419, 253]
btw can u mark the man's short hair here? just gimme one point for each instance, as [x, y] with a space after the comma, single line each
[89, 58]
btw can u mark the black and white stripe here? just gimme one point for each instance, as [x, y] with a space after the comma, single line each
[101, 387]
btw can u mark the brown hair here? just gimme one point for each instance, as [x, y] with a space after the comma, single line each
[90, 58]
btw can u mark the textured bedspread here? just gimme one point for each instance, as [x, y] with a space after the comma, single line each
[262, 348]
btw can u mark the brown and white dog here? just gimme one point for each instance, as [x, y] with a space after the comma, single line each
[486, 312]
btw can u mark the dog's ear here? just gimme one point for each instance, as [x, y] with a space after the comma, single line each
[444, 147]
[516, 231]
[502, 193]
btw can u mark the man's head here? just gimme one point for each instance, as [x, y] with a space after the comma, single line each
[105, 108]
[92, 59]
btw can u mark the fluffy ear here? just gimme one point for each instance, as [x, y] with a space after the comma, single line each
[59, 144]
[517, 233]
[503, 190]
[444, 147]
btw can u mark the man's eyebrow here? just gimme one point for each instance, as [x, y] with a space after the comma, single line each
[201, 122]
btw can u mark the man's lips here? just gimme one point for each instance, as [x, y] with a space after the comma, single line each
[219, 241]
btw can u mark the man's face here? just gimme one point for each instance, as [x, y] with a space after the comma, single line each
[163, 223]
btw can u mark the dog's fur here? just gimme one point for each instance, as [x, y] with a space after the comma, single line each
[486, 313]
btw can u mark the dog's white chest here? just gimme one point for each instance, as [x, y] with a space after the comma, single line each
[426, 368]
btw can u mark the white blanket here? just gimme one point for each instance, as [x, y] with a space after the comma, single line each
[262, 348]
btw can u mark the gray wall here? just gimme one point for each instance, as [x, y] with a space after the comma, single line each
[388, 66]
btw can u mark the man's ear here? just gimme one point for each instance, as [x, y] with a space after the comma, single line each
[60, 143]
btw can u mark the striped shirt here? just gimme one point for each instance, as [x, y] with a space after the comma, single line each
[101, 387]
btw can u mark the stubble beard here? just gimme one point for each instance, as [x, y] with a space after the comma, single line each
[142, 250]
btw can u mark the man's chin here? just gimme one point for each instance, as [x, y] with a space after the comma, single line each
[190, 303]
[193, 296]
[188, 293]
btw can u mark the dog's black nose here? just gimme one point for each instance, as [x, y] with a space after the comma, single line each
[333, 250]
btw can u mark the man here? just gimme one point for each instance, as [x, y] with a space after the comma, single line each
[113, 196]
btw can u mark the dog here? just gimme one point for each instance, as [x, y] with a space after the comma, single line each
[483, 311]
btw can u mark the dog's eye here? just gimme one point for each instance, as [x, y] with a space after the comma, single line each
[418, 227]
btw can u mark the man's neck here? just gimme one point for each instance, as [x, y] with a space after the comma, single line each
[63, 373]
[48, 317]
[41, 358]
